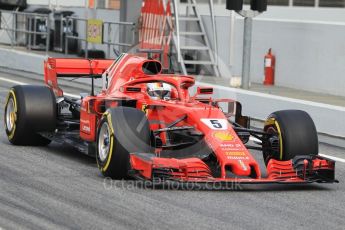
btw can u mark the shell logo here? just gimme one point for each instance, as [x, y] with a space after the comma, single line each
[223, 136]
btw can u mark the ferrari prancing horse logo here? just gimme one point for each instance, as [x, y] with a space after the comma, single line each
[144, 109]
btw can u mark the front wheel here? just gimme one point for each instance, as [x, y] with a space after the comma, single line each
[292, 133]
[122, 131]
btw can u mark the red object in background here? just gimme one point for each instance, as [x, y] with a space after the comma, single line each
[156, 29]
[91, 4]
[270, 62]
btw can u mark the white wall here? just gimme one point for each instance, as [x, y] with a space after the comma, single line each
[279, 12]
[310, 55]
[308, 43]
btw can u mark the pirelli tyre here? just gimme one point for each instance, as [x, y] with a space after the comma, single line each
[29, 110]
[294, 134]
[121, 131]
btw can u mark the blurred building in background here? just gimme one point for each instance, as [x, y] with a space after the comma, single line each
[115, 4]
[307, 37]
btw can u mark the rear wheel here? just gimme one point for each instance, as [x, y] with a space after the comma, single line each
[28, 111]
[293, 134]
[122, 131]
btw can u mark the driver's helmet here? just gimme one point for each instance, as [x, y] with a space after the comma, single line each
[159, 90]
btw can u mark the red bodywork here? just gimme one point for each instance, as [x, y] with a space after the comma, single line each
[127, 79]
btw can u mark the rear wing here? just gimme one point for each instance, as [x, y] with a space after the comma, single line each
[55, 68]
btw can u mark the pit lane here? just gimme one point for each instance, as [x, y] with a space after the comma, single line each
[57, 187]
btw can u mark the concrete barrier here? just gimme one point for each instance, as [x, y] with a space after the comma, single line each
[20, 60]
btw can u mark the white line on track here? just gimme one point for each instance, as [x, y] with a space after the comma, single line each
[251, 138]
[333, 158]
[12, 81]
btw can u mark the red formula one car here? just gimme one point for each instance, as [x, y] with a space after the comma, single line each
[147, 125]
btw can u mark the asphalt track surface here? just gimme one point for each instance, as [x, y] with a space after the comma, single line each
[56, 187]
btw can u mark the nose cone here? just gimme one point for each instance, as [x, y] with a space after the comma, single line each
[240, 168]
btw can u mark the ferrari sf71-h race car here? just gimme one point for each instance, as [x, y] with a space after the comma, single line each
[146, 124]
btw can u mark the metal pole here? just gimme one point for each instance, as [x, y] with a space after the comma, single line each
[133, 34]
[61, 34]
[215, 48]
[34, 31]
[247, 42]
[176, 12]
[94, 15]
[66, 45]
[86, 49]
[109, 40]
[232, 37]
[26, 27]
[48, 35]
[86, 17]
[30, 25]
[13, 30]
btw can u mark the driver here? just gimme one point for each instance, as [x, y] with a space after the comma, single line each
[159, 90]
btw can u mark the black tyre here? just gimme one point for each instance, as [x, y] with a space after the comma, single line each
[121, 131]
[29, 110]
[294, 134]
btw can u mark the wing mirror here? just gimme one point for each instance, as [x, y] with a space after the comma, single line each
[130, 89]
[204, 90]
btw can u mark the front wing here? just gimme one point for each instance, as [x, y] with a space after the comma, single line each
[300, 170]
